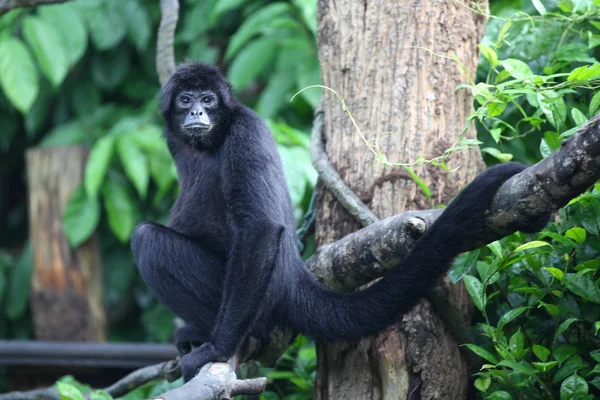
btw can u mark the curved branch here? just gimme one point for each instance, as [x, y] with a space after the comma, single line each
[330, 176]
[165, 53]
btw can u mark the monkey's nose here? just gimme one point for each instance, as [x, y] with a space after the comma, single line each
[196, 112]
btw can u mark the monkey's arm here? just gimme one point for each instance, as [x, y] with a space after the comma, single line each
[252, 191]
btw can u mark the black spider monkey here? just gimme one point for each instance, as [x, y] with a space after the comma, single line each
[227, 263]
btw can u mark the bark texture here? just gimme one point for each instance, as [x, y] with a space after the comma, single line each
[366, 56]
[66, 297]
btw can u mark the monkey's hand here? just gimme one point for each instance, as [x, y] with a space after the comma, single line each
[198, 357]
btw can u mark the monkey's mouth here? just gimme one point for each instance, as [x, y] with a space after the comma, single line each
[196, 127]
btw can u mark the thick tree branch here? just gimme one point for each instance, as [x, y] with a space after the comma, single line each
[7, 5]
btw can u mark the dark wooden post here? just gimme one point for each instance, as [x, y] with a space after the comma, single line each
[67, 290]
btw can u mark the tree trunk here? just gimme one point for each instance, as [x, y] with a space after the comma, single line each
[66, 296]
[365, 55]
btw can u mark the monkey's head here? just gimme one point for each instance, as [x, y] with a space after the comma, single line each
[197, 103]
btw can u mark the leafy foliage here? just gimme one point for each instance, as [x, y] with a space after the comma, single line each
[538, 300]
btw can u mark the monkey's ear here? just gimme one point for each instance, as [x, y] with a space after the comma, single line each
[226, 94]
[166, 94]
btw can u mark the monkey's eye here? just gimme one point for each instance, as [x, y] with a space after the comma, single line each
[185, 100]
[207, 100]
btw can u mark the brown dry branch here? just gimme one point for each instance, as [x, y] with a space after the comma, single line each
[7, 5]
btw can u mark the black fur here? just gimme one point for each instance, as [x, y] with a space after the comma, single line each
[228, 263]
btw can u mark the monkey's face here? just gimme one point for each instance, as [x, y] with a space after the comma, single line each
[195, 114]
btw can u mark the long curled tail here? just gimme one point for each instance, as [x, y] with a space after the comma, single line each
[328, 315]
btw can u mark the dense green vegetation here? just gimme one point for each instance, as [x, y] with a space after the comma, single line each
[77, 73]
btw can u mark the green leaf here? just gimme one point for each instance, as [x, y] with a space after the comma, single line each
[97, 165]
[539, 7]
[564, 326]
[534, 244]
[70, 26]
[563, 352]
[138, 24]
[516, 344]
[572, 387]
[578, 116]
[555, 272]
[552, 309]
[594, 371]
[554, 107]
[309, 74]
[517, 68]
[68, 392]
[254, 24]
[65, 134]
[496, 108]
[81, 217]
[509, 316]
[504, 157]
[107, 27]
[522, 367]
[100, 395]
[483, 383]
[577, 234]
[47, 47]
[595, 354]
[583, 286]
[120, 207]
[273, 97]
[462, 265]
[481, 352]
[584, 73]
[541, 352]
[223, 6]
[19, 284]
[552, 140]
[475, 288]
[251, 61]
[496, 248]
[499, 395]
[594, 104]
[18, 75]
[489, 54]
[135, 164]
[545, 366]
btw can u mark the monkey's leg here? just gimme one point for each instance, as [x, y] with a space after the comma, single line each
[245, 296]
[185, 276]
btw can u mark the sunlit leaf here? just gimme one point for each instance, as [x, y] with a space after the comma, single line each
[121, 208]
[81, 217]
[253, 25]
[18, 75]
[97, 165]
[70, 26]
[48, 48]
[251, 61]
[475, 288]
[534, 244]
[138, 24]
[135, 163]
[517, 68]
[481, 352]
